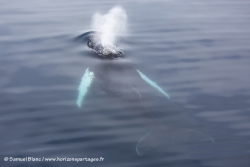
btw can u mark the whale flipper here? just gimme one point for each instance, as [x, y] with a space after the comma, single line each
[84, 85]
[152, 83]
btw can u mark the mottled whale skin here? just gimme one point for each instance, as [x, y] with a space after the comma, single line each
[111, 52]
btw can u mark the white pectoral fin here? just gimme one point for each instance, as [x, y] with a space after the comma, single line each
[84, 85]
[152, 83]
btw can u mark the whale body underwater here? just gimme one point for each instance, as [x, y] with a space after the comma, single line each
[116, 76]
[120, 69]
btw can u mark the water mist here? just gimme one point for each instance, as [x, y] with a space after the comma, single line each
[110, 26]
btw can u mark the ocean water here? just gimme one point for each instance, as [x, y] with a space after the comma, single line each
[197, 51]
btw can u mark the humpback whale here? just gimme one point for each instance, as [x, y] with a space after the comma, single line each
[109, 52]
[118, 77]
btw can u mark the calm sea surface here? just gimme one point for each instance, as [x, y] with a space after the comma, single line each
[197, 51]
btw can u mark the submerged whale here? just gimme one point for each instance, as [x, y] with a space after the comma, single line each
[117, 76]
[120, 77]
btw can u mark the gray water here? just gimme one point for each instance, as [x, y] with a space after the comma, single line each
[197, 51]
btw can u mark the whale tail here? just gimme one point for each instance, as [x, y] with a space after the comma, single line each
[170, 137]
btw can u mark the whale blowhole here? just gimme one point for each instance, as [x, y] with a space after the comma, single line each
[111, 52]
[109, 28]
